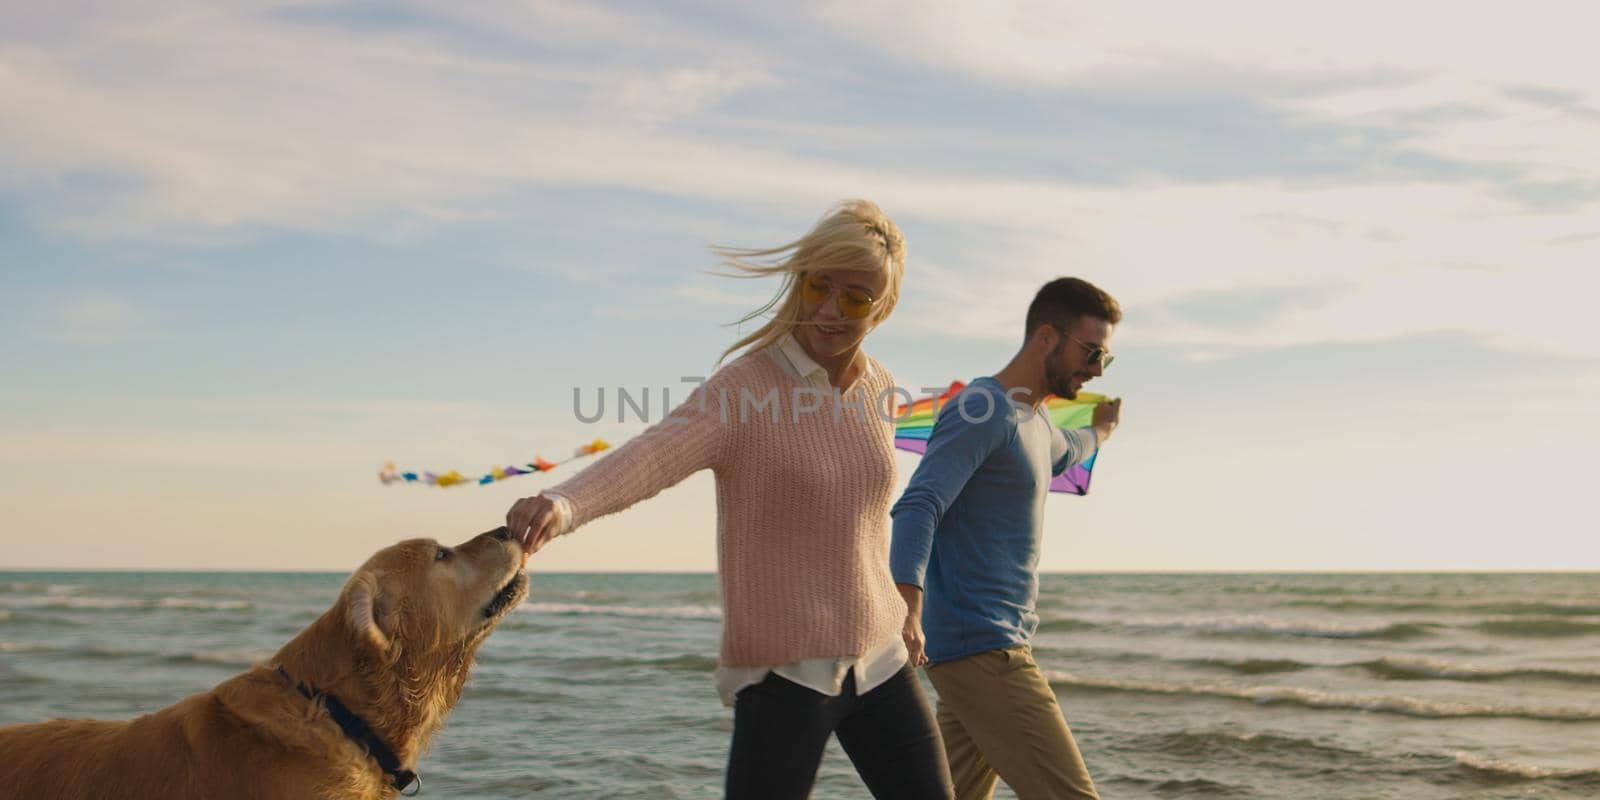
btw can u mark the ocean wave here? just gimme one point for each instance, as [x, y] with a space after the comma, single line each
[585, 596]
[480, 692]
[234, 658]
[1066, 624]
[114, 603]
[685, 663]
[1259, 626]
[1428, 669]
[1176, 787]
[18, 586]
[24, 647]
[1311, 698]
[1199, 787]
[1539, 609]
[1413, 668]
[645, 612]
[1507, 609]
[46, 619]
[1501, 770]
[1252, 666]
[34, 587]
[193, 604]
[669, 612]
[1223, 744]
[1285, 588]
[227, 658]
[688, 662]
[107, 654]
[73, 603]
[1540, 628]
[1263, 627]
[14, 679]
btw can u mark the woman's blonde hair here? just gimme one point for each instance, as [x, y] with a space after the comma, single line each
[855, 234]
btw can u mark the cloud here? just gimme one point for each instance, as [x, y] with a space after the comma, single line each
[1147, 43]
[1249, 309]
[1373, 89]
[1404, 260]
[269, 121]
[1569, 101]
[95, 319]
[654, 100]
[1183, 155]
[352, 117]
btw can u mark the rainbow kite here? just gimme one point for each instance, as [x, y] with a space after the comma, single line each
[452, 478]
[914, 425]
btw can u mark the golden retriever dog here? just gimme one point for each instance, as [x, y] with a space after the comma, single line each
[343, 711]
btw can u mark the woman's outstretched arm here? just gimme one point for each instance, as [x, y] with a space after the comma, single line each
[690, 439]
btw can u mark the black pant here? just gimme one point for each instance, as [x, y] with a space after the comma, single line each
[780, 728]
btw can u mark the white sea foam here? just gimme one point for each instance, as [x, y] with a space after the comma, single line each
[239, 658]
[23, 647]
[1528, 771]
[1418, 667]
[1434, 668]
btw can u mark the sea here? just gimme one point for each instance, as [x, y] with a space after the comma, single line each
[1303, 686]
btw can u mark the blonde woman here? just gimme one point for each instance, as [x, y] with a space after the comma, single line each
[797, 432]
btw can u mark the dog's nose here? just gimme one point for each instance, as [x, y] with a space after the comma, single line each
[502, 533]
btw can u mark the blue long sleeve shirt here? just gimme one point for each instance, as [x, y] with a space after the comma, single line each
[968, 528]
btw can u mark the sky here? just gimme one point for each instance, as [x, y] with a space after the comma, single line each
[249, 251]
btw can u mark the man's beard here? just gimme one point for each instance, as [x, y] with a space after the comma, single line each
[1058, 384]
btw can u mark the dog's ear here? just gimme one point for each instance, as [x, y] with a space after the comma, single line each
[362, 610]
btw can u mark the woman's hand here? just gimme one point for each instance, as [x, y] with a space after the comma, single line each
[532, 520]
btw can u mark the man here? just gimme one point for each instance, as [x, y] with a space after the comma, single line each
[968, 529]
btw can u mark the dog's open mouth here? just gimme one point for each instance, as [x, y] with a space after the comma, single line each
[507, 596]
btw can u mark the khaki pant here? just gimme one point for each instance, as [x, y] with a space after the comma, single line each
[999, 718]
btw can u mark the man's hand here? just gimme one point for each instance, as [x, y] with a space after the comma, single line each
[532, 521]
[911, 630]
[911, 633]
[1106, 418]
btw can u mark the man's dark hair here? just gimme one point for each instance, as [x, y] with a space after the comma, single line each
[1063, 300]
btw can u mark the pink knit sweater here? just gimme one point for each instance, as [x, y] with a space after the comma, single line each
[802, 507]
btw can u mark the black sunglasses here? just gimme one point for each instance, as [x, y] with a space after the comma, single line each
[1095, 352]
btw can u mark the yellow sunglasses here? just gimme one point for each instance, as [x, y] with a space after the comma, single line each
[853, 303]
